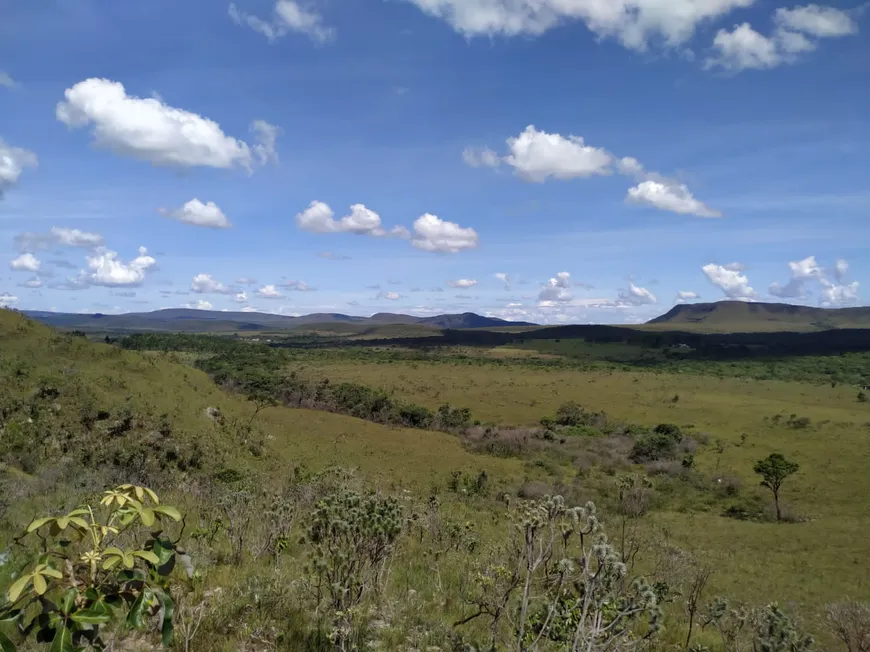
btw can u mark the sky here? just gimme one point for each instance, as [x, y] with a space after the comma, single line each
[556, 161]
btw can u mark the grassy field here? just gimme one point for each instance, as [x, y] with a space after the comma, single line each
[818, 558]
[806, 563]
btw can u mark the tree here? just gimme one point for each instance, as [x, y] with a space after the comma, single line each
[774, 469]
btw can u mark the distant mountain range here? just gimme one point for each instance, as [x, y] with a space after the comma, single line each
[181, 319]
[742, 315]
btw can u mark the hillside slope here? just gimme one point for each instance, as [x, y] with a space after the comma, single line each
[167, 402]
[746, 316]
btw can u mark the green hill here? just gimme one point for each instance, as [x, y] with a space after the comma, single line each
[745, 316]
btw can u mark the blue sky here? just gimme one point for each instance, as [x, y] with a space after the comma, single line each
[555, 160]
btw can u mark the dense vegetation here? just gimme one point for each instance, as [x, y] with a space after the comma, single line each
[423, 545]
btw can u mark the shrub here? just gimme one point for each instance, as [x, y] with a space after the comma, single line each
[100, 564]
[727, 486]
[862, 397]
[351, 536]
[849, 621]
[653, 447]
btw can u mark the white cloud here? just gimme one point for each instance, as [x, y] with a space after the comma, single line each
[205, 284]
[196, 213]
[269, 292]
[557, 289]
[25, 263]
[58, 237]
[684, 296]
[801, 272]
[636, 296]
[244, 280]
[835, 294]
[202, 304]
[288, 16]
[480, 158]
[462, 283]
[32, 283]
[267, 137]
[634, 23]
[744, 48]
[816, 21]
[536, 156]
[319, 218]
[241, 297]
[731, 281]
[672, 197]
[7, 300]
[6, 80]
[107, 270]
[504, 278]
[391, 296]
[250, 309]
[13, 160]
[150, 130]
[431, 233]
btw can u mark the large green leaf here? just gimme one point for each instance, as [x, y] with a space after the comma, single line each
[38, 523]
[90, 617]
[136, 617]
[147, 555]
[17, 588]
[9, 616]
[67, 600]
[62, 641]
[5, 644]
[168, 510]
[168, 628]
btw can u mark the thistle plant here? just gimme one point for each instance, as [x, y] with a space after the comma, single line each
[99, 565]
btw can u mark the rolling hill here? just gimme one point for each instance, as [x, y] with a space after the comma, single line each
[744, 316]
[185, 320]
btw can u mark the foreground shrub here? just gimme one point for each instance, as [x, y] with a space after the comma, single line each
[99, 566]
[849, 621]
[351, 537]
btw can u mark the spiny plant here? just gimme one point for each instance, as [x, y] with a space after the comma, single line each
[351, 537]
[100, 565]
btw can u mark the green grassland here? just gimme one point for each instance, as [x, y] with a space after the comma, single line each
[818, 558]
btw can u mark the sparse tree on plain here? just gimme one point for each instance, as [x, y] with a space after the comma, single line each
[774, 469]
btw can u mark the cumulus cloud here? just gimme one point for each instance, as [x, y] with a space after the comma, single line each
[244, 280]
[269, 292]
[636, 296]
[390, 296]
[105, 269]
[684, 296]
[636, 24]
[266, 136]
[288, 16]
[537, 156]
[431, 233]
[13, 160]
[801, 272]
[462, 283]
[7, 300]
[504, 278]
[672, 197]
[205, 284]
[832, 291]
[481, 157]
[196, 213]
[557, 289]
[319, 218]
[25, 263]
[796, 31]
[202, 304]
[150, 130]
[241, 297]
[730, 279]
